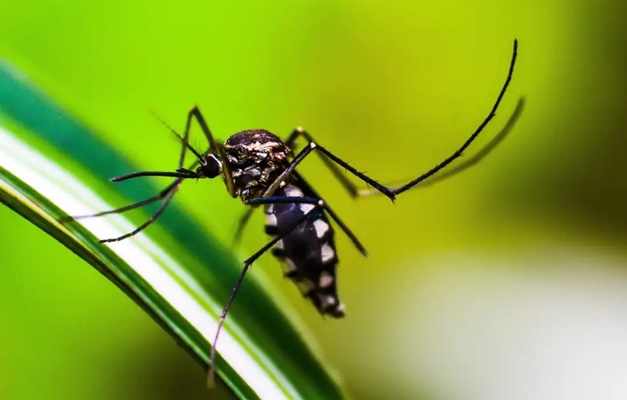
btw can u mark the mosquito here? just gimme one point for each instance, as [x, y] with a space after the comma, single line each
[260, 168]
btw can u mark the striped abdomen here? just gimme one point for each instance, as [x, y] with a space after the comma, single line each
[308, 253]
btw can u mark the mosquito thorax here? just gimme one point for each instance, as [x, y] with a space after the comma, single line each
[256, 158]
[210, 167]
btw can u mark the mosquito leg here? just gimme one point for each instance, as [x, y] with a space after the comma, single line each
[266, 200]
[389, 192]
[165, 195]
[195, 113]
[469, 162]
[180, 173]
[311, 200]
[240, 279]
[333, 215]
[286, 200]
[349, 186]
[214, 147]
[184, 141]
[141, 203]
[153, 218]
[313, 146]
[472, 137]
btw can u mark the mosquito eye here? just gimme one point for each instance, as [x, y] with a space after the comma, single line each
[212, 168]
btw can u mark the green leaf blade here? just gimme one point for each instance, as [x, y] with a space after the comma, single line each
[265, 355]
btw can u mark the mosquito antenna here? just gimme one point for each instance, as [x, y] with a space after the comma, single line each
[183, 141]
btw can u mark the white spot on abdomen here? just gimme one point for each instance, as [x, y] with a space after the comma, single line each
[327, 253]
[321, 227]
[293, 191]
[326, 300]
[305, 208]
[326, 279]
[270, 220]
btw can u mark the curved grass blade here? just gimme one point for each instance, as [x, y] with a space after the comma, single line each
[182, 281]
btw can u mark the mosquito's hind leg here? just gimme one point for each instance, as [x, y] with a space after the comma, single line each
[330, 158]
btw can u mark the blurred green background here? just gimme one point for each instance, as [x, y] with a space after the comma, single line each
[506, 282]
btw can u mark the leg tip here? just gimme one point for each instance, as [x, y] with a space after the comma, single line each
[211, 381]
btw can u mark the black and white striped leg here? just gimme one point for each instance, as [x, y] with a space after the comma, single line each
[247, 264]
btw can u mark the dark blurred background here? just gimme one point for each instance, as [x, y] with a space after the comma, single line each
[506, 282]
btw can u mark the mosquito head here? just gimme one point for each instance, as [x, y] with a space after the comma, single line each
[210, 167]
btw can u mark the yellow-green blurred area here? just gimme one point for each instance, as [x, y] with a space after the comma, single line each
[506, 282]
